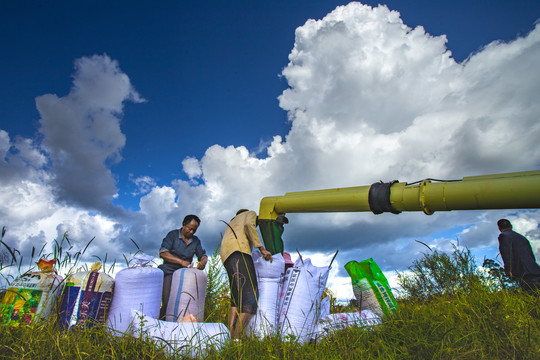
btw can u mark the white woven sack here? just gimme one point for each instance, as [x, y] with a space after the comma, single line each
[192, 339]
[138, 288]
[188, 291]
[333, 322]
[301, 299]
[342, 320]
[281, 294]
[264, 323]
[266, 269]
[269, 280]
[325, 308]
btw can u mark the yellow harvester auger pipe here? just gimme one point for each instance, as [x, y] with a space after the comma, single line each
[519, 190]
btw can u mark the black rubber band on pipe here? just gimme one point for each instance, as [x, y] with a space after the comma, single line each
[379, 198]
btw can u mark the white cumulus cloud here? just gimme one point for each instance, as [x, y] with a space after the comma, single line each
[82, 131]
[372, 99]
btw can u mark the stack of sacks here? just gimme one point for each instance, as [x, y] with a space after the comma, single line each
[188, 292]
[31, 296]
[269, 280]
[139, 288]
[187, 338]
[86, 298]
[300, 299]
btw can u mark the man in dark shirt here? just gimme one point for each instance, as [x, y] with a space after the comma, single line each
[518, 257]
[177, 251]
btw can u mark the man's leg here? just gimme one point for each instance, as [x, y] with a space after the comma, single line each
[233, 318]
[244, 291]
[167, 279]
[242, 322]
[237, 322]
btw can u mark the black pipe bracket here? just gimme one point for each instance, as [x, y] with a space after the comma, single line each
[379, 198]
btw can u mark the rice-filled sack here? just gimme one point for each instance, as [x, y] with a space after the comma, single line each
[342, 320]
[333, 322]
[300, 299]
[188, 292]
[371, 287]
[193, 339]
[325, 308]
[32, 296]
[86, 299]
[137, 287]
[269, 281]
[266, 269]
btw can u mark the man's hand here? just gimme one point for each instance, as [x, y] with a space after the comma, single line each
[202, 263]
[169, 257]
[267, 255]
[184, 263]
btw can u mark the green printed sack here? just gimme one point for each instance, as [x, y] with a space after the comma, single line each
[371, 287]
[32, 296]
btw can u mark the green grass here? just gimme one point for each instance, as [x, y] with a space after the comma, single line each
[479, 324]
[450, 311]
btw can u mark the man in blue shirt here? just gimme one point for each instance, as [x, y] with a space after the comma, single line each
[518, 257]
[177, 251]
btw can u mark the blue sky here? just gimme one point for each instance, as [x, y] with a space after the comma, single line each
[214, 64]
[212, 84]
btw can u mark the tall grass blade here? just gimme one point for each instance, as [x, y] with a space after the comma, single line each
[87, 245]
[133, 241]
[11, 252]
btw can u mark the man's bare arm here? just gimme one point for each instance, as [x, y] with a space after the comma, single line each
[267, 255]
[167, 256]
[202, 262]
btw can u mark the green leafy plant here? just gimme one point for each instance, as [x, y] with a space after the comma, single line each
[497, 276]
[216, 303]
[438, 273]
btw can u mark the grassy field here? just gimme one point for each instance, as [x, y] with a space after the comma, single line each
[476, 325]
[450, 310]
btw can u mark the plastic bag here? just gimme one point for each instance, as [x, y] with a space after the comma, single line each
[31, 296]
[86, 299]
[371, 287]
